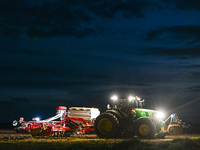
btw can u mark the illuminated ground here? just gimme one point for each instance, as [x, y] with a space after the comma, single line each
[9, 134]
[9, 140]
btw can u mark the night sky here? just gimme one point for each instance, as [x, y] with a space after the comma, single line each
[80, 52]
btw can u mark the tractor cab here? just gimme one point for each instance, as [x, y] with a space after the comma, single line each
[126, 104]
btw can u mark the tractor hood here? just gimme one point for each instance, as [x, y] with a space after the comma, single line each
[152, 114]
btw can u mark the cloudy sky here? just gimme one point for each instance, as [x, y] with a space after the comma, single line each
[80, 52]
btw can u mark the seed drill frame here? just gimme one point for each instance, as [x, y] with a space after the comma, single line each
[77, 120]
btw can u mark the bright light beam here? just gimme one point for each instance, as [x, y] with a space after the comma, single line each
[185, 104]
[131, 98]
[114, 98]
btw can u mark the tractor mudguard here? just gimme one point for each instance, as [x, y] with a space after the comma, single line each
[143, 118]
[117, 113]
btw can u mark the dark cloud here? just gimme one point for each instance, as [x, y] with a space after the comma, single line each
[99, 76]
[59, 31]
[181, 34]
[128, 8]
[131, 83]
[7, 69]
[45, 84]
[49, 19]
[64, 18]
[76, 18]
[179, 52]
[69, 73]
[10, 30]
[195, 73]
[14, 100]
[184, 4]
[195, 66]
[194, 88]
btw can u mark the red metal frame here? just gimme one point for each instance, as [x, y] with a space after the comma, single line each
[57, 128]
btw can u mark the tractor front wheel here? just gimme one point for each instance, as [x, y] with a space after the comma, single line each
[145, 128]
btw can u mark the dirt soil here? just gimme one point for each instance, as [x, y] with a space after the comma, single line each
[10, 134]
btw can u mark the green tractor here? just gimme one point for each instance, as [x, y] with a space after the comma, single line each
[129, 118]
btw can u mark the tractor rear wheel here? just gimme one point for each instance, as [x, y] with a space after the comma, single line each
[107, 126]
[145, 128]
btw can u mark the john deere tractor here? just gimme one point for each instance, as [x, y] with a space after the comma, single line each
[127, 117]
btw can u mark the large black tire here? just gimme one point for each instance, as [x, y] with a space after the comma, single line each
[107, 125]
[145, 128]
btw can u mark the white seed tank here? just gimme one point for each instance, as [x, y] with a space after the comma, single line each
[83, 112]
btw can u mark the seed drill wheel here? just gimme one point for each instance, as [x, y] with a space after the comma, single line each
[145, 128]
[175, 129]
[107, 126]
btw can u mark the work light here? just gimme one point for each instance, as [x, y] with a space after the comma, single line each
[131, 98]
[114, 98]
[160, 115]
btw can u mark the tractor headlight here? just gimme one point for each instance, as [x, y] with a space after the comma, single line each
[131, 98]
[160, 115]
[138, 98]
[114, 98]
